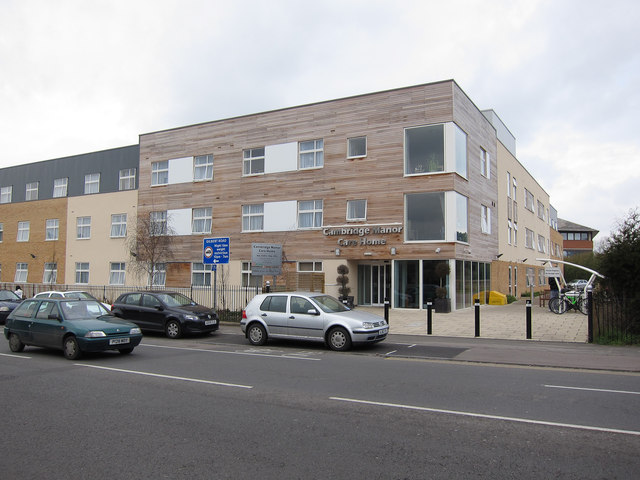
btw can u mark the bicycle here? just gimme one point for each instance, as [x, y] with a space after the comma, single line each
[569, 301]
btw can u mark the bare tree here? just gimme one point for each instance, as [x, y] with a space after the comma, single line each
[151, 243]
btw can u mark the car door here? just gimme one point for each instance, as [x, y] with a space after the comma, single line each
[273, 312]
[47, 332]
[151, 315]
[301, 323]
[129, 307]
[22, 320]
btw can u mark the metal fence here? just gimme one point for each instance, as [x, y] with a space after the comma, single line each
[227, 300]
[615, 321]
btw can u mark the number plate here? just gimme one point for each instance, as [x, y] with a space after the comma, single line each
[210, 322]
[383, 331]
[118, 341]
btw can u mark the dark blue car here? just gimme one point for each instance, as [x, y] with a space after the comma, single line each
[8, 302]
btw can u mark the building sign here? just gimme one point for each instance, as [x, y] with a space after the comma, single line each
[266, 259]
[362, 235]
[553, 272]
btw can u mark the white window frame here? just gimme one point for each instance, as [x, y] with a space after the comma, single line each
[50, 274]
[160, 173]
[313, 208]
[23, 231]
[352, 146]
[248, 216]
[529, 200]
[117, 273]
[22, 272]
[312, 150]
[251, 158]
[6, 194]
[202, 163]
[315, 267]
[60, 187]
[203, 272]
[485, 163]
[127, 179]
[91, 183]
[529, 239]
[352, 207]
[248, 279]
[158, 223]
[82, 269]
[201, 220]
[159, 275]
[31, 191]
[541, 215]
[83, 228]
[485, 219]
[118, 225]
[541, 244]
[52, 229]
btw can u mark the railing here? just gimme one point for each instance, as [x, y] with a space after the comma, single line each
[615, 321]
[228, 300]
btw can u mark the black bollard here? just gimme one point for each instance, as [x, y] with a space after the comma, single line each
[590, 314]
[528, 319]
[477, 305]
[386, 310]
[429, 318]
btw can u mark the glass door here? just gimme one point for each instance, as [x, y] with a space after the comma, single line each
[374, 283]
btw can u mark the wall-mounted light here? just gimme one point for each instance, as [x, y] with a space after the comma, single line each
[499, 255]
[467, 250]
[438, 250]
[32, 255]
[368, 254]
[393, 250]
[337, 252]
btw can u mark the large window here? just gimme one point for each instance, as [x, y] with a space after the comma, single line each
[248, 279]
[160, 173]
[310, 214]
[118, 225]
[357, 147]
[127, 179]
[23, 232]
[203, 167]
[92, 183]
[31, 191]
[253, 217]
[22, 272]
[83, 229]
[253, 161]
[52, 229]
[424, 149]
[82, 273]
[425, 218]
[311, 154]
[201, 221]
[60, 187]
[50, 273]
[200, 275]
[356, 210]
[117, 273]
[158, 223]
[5, 194]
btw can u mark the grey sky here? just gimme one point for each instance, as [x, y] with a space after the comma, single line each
[83, 75]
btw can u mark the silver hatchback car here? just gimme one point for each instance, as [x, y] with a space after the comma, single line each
[309, 316]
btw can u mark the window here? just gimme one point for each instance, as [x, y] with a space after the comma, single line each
[83, 229]
[541, 210]
[253, 161]
[424, 149]
[127, 179]
[31, 192]
[23, 232]
[92, 183]
[462, 223]
[159, 275]
[117, 273]
[274, 303]
[160, 173]
[541, 244]
[52, 229]
[310, 266]
[5, 194]
[300, 306]
[508, 185]
[485, 164]
[119, 225]
[528, 200]
[356, 210]
[310, 214]
[253, 217]
[203, 167]
[82, 272]
[248, 279]
[528, 238]
[356, 147]
[509, 232]
[485, 220]
[311, 154]
[461, 151]
[424, 216]
[158, 223]
[22, 272]
[201, 220]
[200, 275]
[50, 273]
[514, 189]
[60, 187]
[1, 231]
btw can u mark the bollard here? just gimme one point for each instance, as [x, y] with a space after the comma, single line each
[429, 318]
[477, 305]
[528, 319]
[590, 314]
[386, 310]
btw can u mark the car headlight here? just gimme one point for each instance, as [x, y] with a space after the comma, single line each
[368, 325]
[191, 317]
[95, 334]
[4, 309]
[135, 331]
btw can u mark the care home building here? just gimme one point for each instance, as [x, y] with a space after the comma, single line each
[395, 185]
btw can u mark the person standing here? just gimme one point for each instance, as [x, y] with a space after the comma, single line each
[19, 292]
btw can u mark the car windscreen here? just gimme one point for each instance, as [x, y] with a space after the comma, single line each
[8, 295]
[82, 309]
[329, 304]
[84, 295]
[175, 299]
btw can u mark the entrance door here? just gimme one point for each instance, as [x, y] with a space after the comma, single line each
[374, 283]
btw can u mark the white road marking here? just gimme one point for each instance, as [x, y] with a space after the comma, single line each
[249, 353]
[14, 356]
[391, 352]
[490, 417]
[170, 377]
[604, 390]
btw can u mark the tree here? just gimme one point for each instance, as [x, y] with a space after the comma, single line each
[343, 280]
[151, 244]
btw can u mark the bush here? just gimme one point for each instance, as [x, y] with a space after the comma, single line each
[511, 299]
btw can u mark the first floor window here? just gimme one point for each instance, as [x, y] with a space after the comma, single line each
[200, 275]
[424, 213]
[159, 275]
[203, 167]
[160, 173]
[60, 187]
[310, 214]
[127, 179]
[253, 161]
[23, 231]
[31, 192]
[92, 183]
[52, 229]
[158, 223]
[248, 279]
[485, 219]
[50, 273]
[83, 225]
[357, 147]
[310, 266]
[484, 163]
[528, 238]
[253, 217]
[82, 272]
[424, 149]
[356, 210]
[117, 273]
[5, 194]
[509, 233]
[541, 244]
[311, 154]
[22, 272]
[119, 225]
[201, 221]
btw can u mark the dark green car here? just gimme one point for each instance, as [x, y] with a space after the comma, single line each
[71, 325]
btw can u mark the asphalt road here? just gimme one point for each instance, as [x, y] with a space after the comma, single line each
[215, 407]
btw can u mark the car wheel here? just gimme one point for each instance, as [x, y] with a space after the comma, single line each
[125, 351]
[339, 339]
[15, 344]
[71, 349]
[257, 334]
[173, 329]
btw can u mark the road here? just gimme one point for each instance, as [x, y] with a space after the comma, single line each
[215, 407]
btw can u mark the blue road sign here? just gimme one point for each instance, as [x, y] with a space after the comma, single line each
[215, 250]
